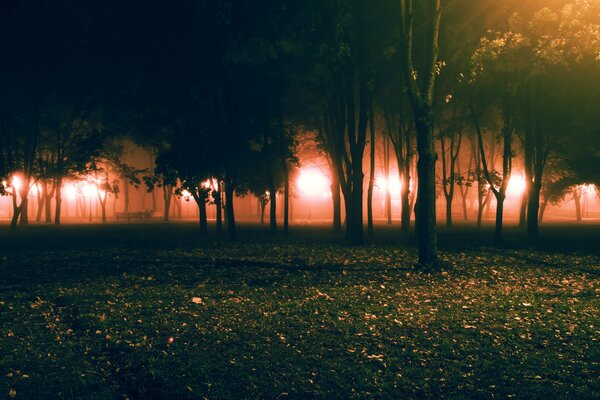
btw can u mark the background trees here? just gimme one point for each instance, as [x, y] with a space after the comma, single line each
[217, 91]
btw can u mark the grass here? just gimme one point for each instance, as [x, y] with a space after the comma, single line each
[148, 311]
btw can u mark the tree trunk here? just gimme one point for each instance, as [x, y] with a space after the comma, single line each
[16, 209]
[218, 208]
[523, 210]
[542, 210]
[273, 209]
[499, 217]
[262, 206]
[336, 198]
[167, 194]
[426, 214]
[406, 207]
[103, 206]
[371, 169]
[41, 194]
[286, 197]
[200, 199]
[48, 200]
[356, 232]
[229, 189]
[577, 199]
[24, 217]
[448, 212]
[58, 198]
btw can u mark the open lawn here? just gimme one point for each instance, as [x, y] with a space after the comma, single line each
[148, 311]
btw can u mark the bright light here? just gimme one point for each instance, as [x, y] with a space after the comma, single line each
[210, 183]
[312, 182]
[17, 182]
[516, 185]
[34, 190]
[88, 189]
[70, 191]
[393, 185]
[185, 193]
[588, 189]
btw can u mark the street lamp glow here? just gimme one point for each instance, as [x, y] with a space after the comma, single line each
[70, 191]
[312, 182]
[17, 182]
[88, 189]
[393, 185]
[516, 185]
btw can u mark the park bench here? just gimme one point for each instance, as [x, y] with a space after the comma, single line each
[134, 215]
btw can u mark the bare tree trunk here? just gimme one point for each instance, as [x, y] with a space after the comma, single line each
[286, 197]
[577, 199]
[371, 169]
[58, 198]
[523, 210]
[102, 203]
[167, 195]
[229, 189]
[273, 209]
[543, 210]
[218, 207]
[41, 192]
[336, 198]
[421, 91]
[16, 208]
[200, 199]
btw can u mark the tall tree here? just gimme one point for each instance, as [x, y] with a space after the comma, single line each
[420, 72]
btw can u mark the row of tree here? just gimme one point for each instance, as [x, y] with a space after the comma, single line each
[218, 90]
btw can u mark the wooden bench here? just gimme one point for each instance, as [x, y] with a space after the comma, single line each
[135, 215]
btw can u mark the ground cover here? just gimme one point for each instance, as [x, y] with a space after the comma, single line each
[150, 311]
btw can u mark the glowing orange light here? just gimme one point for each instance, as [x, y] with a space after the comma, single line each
[88, 189]
[393, 185]
[70, 191]
[17, 182]
[312, 183]
[588, 188]
[210, 183]
[516, 185]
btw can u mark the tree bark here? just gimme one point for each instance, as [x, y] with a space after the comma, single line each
[336, 198]
[577, 199]
[229, 189]
[371, 169]
[167, 194]
[420, 88]
[286, 197]
[200, 199]
[58, 198]
[41, 192]
[273, 209]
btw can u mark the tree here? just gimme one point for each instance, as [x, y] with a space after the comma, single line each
[420, 83]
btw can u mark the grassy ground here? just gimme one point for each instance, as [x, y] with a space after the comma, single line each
[149, 311]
